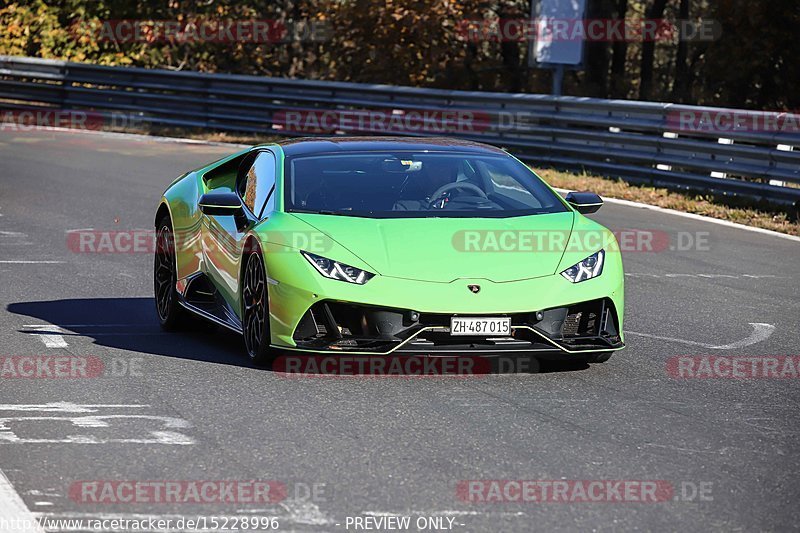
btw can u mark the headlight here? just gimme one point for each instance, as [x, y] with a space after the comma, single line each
[335, 270]
[589, 268]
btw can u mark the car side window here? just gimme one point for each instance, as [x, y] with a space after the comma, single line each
[259, 184]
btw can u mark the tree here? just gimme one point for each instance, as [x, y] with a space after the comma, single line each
[654, 12]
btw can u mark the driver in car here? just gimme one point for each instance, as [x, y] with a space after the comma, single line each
[420, 188]
[440, 172]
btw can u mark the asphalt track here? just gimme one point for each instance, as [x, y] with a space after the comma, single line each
[380, 447]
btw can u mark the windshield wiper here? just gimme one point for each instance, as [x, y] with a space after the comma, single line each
[330, 212]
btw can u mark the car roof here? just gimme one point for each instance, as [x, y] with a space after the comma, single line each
[313, 145]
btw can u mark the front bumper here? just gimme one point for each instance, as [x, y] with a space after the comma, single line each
[313, 314]
[343, 327]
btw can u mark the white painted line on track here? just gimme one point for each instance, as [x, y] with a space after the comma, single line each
[14, 514]
[761, 332]
[167, 433]
[66, 407]
[305, 513]
[443, 512]
[706, 276]
[50, 335]
[128, 334]
[169, 438]
[131, 325]
[35, 492]
[29, 262]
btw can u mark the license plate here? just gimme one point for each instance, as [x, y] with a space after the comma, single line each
[480, 326]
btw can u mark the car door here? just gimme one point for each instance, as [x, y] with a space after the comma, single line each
[224, 236]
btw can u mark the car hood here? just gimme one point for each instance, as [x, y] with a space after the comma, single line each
[447, 249]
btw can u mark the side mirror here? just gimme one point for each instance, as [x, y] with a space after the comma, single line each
[584, 202]
[221, 203]
[224, 203]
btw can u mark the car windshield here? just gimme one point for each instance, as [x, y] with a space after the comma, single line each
[406, 184]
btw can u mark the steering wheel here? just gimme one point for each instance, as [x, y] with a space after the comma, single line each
[447, 187]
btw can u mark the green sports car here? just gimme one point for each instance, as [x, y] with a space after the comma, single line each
[380, 245]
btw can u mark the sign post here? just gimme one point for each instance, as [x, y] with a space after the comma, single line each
[555, 45]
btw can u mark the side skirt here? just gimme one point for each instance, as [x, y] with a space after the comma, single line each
[199, 296]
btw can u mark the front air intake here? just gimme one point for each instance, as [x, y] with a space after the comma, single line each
[583, 320]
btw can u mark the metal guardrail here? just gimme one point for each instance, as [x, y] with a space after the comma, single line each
[638, 141]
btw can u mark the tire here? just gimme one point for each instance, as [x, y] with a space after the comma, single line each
[171, 316]
[255, 311]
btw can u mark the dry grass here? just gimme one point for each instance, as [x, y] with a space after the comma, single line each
[739, 210]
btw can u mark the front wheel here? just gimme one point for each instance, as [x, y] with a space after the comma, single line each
[255, 311]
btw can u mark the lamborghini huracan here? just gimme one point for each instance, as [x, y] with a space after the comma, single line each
[381, 245]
